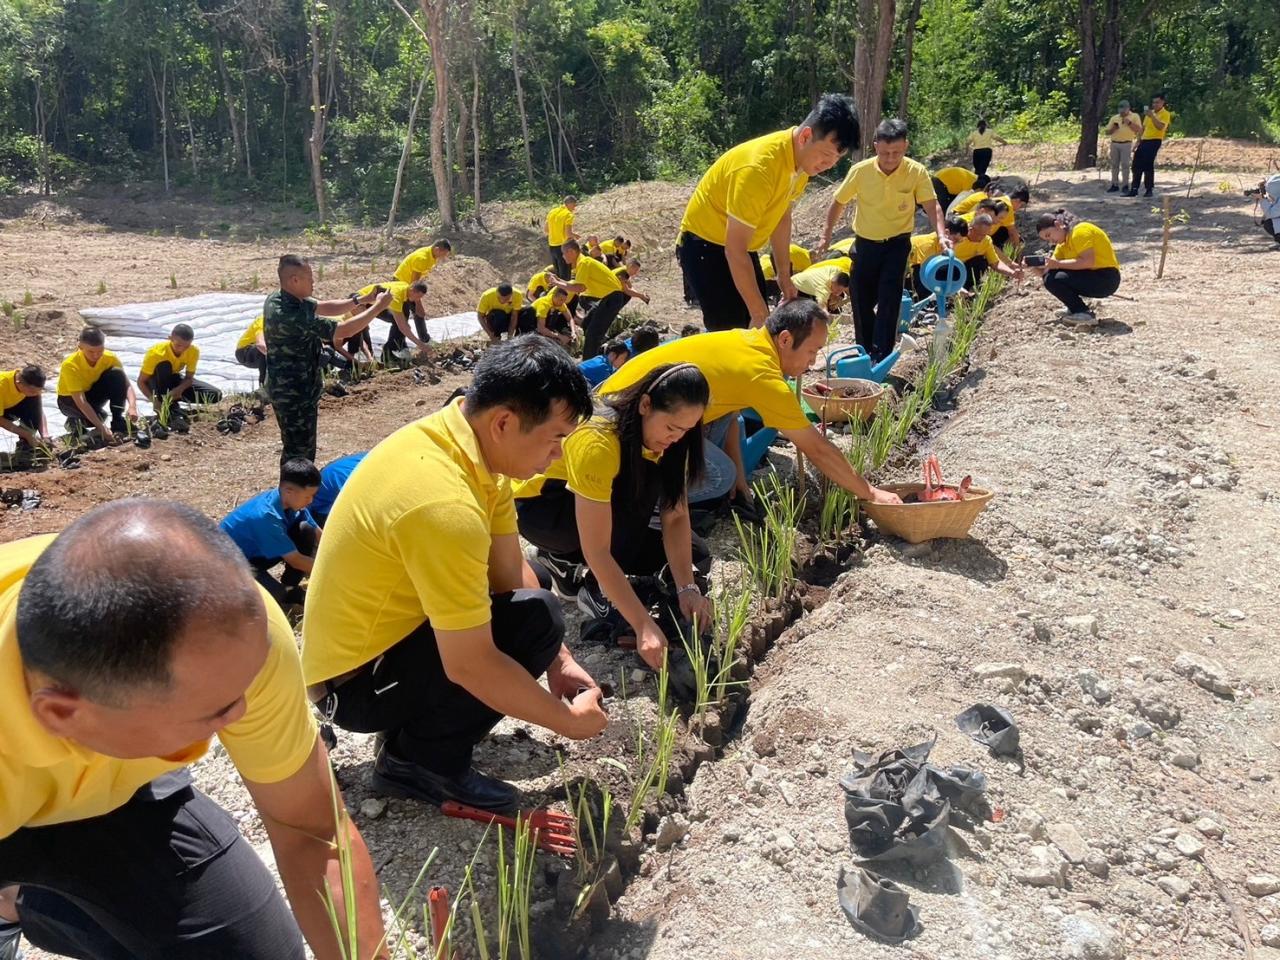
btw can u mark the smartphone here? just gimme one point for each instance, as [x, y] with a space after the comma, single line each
[1033, 260]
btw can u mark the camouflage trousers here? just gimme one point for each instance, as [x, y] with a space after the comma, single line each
[297, 418]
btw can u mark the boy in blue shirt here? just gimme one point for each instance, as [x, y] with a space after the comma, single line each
[332, 478]
[276, 526]
[617, 352]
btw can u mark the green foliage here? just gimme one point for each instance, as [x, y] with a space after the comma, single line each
[682, 121]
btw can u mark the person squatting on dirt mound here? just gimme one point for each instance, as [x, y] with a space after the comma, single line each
[449, 629]
[419, 264]
[126, 643]
[593, 280]
[592, 508]
[744, 201]
[748, 368]
[1083, 262]
[21, 412]
[498, 311]
[169, 370]
[275, 527]
[297, 330]
[406, 302]
[90, 380]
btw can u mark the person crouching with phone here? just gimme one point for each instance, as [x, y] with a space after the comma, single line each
[1083, 263]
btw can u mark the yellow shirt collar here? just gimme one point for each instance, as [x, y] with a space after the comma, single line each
[465, 439]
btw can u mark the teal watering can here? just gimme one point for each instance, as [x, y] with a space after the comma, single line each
[853, 362]
[944, 275]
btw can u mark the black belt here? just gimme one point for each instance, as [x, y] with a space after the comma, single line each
[862, 239]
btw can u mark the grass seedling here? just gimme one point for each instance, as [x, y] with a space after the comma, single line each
[27, 298]
[733, 610]
[320, 271]
[222, 283]
[102, 287]
[253, 282]
[699, 662]
[515, 888]
[166, 410]
[768, 550]
[654, 773]
[343, 922]
[173, 281]
[6, 307]
[836, 514]
[18, 321]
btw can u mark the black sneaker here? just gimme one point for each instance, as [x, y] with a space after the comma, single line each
[1146, 193]
[395, 777]
[566, 575]
[592, 601]
[10, 935]
[1113, 189]
[1132, 193]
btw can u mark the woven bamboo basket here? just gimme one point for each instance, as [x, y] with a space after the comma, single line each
[918, 522]
[843, 409]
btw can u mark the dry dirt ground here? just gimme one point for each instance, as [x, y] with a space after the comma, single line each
[1137, 484]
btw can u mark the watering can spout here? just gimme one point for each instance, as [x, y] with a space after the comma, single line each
[880, 371]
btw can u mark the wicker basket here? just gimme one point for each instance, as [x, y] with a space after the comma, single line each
[843, 409]
[918, 522]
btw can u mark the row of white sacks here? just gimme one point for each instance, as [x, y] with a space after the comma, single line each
[219, 320]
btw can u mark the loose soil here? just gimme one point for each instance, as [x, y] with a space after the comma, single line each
[1135, 509]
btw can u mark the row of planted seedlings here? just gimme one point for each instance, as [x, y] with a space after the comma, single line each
[534, 906]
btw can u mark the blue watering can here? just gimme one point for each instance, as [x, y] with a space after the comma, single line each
[943, 275]
[853, 362]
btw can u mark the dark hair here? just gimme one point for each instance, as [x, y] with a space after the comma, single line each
[113, 569]
[798, 317]
[891, 130]
[1062, 217]
[617, 346]
[1159, 95]
[996, 205]
[442, 244]
[668, 387]
[571, 245]
[1022, 193]
[842, 278]
[570, 199]
[635, 260]
[32, 376]
[504, 289]
[957, 225]
[92, 337]
[183, 331]
[558, 291]
[299, 471]
[644, 338]
[982, 125]
[527, 376]
[418, 286]
[620, 239]
[835, 116]
[288, 263]
[688, 330]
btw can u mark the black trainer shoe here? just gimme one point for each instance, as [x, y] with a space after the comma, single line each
[592, 601]
[1146, 193]
[1113, 189]
[395, 777]
[10, 935]
[566, 574]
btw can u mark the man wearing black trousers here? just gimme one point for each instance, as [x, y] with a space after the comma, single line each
[593, 279]
[1155, 125]
[887, 187]
[20, 409]
[92, 380]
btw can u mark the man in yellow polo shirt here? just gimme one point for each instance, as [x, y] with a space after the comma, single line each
[251, 349]
[826, 282]
[423, 621]
[21, 412]
[744, 200]
[498, 309]
[558, 228]
[748, 368]
[90, 380]
[1155, 126]
[117, 667]
[417, 265]
[169, 369]
[594, 280]
[549, 316]
[950, 182]
[406, 302]
[887, 187]
[1123, 128]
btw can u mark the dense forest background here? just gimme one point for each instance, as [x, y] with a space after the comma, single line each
[328, 104]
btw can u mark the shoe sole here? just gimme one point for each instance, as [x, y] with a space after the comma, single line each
[590, 610]
[386, 787]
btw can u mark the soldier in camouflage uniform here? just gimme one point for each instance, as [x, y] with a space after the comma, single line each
[297, 329]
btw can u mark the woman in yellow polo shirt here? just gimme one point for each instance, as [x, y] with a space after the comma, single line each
[981, 142]
[594, 505]
[1083, 263]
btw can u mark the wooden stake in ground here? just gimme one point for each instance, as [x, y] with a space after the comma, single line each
[800, 478]
[1167, 204]
[1194, 169]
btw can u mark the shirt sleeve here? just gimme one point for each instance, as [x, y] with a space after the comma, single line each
[777, 405]
[989, 251]
[848, 188]
[150, 360]
[193, 360]
[322, 327]
[924, 186]
[747, 195]
[277, 733]
[445, 546]
[504, 514]
[591, 464]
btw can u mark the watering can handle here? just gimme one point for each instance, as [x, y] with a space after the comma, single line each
[855, 350]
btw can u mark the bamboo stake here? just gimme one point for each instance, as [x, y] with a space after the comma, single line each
[799, 456]
[1166, 203]
[1194, 169]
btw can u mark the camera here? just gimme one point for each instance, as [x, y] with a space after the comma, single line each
[1253, 192]
[1033, 260]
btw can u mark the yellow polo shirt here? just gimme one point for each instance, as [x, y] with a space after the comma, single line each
[741, 367]
[1086, 236]
[609, 247]
[76, 376]
[539, 279]
[10, 395]
[559, 225]
[1149, 131]
[599, 280]
[489, 301]
[545, 306]
[982, 140]
[967, 208]
[818, 279]
[422, 261]
[46, 779]
[800, 260]
[926, 245]
[251, 334]
[1124, 133]
[398, 289]
[754, 183]
[886, 201]
[163, 353]
[591, 462]
[844, 246]
[957, 179]
[408, 541]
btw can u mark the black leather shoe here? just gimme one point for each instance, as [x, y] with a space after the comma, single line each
[401, 778]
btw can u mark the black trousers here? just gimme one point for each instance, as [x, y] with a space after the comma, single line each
[110, 390]
[362, 339]
[303, 536]
[1069, 285]
[1144, 164]
[1000, 237]
[945, 196]
[690, 297]
[878, 269]
[977, 269]
[496, 322]
[427, 718]
[707, 273]
[297, 417]
[251, 356]
[167, 876]
[527, 321]
[27, 412]
[598, 321]
[557, 260]
[981, 160]
[163, 380]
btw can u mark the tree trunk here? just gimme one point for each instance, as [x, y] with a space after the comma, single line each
[871, 63]
[475, 133]
[524, 117]
[553, 153]
[408, 149]
[908, 50]
[435, 13]
[315, 142]
[228, 99]
[159, 90]
[460, 137]
[1099, 69]
[248, 149]
[42, 134]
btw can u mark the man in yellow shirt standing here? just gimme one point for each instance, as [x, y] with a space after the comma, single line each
[887, 187]
[89, 380]
[169, 370]
[1155, 125]
[424, 622]
[594, 280]
[744, 200]
[117, 667]
[1123, 128]
[559, 230]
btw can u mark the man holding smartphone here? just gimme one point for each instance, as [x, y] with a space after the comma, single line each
[1155, 125]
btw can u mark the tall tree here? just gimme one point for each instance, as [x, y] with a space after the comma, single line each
[908, 50]
[436, 11]
[1101, 57]
[871, 53]
[321, 97]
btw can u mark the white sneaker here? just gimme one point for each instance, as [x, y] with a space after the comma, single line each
[1082, 319]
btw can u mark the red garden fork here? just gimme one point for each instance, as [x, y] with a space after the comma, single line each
[934, 490]
[553, 832]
